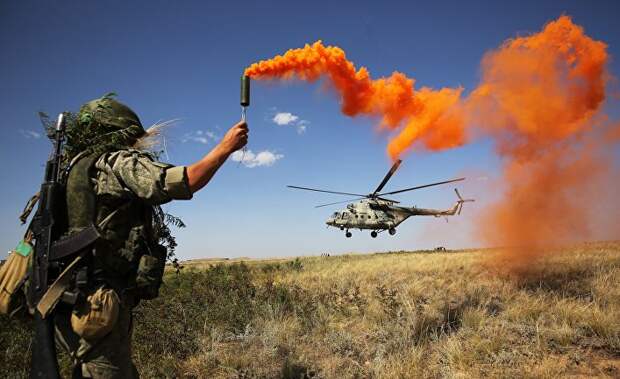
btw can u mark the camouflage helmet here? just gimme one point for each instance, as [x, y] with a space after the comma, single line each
[111, 116]
[104, 124]
[118, 114]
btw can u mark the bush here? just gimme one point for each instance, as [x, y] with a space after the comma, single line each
[192, 303]
[296, 265]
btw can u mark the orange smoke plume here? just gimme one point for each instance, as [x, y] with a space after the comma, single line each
[427, 115]
[541, 89]
[540, 98]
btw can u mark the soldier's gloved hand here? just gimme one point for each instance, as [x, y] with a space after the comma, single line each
[235, 138]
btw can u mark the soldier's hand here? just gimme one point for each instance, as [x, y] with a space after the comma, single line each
[201, 172]
[235, 138]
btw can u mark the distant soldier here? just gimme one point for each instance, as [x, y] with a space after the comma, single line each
[117, 187]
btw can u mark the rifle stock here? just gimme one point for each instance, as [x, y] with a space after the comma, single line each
[44, 363]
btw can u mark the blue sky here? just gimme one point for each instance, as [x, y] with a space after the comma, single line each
[182, 60]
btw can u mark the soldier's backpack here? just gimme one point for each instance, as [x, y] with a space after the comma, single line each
[14, 272]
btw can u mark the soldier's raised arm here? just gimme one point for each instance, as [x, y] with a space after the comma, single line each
[132, 173]
[201, 172]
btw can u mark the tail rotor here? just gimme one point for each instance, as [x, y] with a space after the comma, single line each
[461, 201]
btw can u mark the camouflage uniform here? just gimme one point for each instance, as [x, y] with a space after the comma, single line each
[126, 185]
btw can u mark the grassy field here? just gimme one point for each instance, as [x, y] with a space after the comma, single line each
[393, 315]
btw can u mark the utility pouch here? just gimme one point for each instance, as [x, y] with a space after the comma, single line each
[12, 277]
[96, 317]
[151, 272]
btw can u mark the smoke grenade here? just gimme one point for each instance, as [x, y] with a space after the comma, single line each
[245, 95]
[245, 103]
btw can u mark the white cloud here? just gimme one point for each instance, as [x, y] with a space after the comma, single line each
[201, 136]
[29, 134]
[250, 159]
[285, 118]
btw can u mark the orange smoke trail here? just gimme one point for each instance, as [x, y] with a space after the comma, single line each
[428, 116]
[540, 98]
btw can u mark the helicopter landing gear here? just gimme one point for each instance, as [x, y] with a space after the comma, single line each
[348, 234]
[392, 231]
[373, 234]
[342, 228]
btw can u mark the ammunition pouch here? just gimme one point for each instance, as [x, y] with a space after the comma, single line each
[150, 273]
[123, 260]
[96, 316]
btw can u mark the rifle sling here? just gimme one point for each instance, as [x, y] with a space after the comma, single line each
[54, 292]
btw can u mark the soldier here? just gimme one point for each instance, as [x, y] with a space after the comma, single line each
[117, 188]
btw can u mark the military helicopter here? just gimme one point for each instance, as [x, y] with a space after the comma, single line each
[377, 213]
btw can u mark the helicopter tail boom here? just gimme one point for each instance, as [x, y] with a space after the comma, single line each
[455, 210]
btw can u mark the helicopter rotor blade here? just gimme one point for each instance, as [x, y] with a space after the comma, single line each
[325, 191]
[390, 200]
[387, 177]
[422, 186]
[340, 202]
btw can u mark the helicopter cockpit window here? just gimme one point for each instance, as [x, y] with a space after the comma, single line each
[336, 215]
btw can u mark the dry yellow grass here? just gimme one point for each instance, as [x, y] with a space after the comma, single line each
[396, 315]
[438, 315]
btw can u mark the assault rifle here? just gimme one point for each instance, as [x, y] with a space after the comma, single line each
[45, 227]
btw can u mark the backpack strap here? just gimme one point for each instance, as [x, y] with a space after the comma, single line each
[81, 208]
[80, 194]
